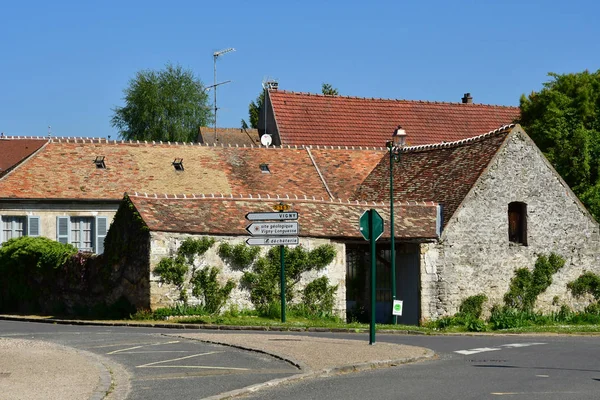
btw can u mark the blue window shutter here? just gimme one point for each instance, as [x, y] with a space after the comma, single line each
[33, 226]
[62, 229]
[101, 230]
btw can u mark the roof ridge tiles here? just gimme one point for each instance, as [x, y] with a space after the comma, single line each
[457, 143]
[392, 100]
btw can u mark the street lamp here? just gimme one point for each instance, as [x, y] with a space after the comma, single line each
[394, 147]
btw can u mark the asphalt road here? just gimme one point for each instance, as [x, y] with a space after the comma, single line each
[467, 367]
[159, 366]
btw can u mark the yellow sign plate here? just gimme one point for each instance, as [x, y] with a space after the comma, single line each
[281, 207]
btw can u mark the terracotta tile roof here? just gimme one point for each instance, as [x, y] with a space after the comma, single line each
[440, 173]
[13, 150]
[312, 119]
[229, 136]
[64, 169]
[226, 216]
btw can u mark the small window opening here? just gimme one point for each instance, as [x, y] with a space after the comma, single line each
[264, 168]
[178, 164]
[517, 223]
[99, 161]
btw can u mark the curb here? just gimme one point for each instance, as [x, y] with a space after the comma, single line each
[318, 374]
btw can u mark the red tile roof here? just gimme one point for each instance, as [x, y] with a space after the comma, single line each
[316, 218]
[229, 136]
[15, 150]
[312, 119]
[64, 169]
[442, 173]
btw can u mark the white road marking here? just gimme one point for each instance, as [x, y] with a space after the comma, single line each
[515, 345]
[193, 366]
[477, 350]
[180, 358]
[484, 349]
[543, 376]
[137, 347]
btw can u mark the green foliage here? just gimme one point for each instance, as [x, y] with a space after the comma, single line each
[240, 255]
[588, 283]
[172, 271]
[264, 280]
[329, 90]
[318, 296]
[564, 121]
[473, 305]
[526, 285]
[205, 283]
[29, 267]
[168, 105]
[254, 109]
[508, 318]
[190, 248]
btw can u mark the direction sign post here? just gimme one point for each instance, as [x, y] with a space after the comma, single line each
[275, 234]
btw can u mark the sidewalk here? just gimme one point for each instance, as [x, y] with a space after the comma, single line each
[41, 370]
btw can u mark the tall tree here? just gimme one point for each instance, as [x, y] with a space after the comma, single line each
[329, 90]
[168, 105]
[254, 109]
[564, 121]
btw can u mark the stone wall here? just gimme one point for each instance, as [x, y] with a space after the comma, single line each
[165, 244]
[474, 254]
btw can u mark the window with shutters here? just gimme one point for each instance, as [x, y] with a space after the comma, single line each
[517, 223]
[85, 233]
[14, 226]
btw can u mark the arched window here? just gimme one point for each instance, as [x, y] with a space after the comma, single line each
[517, 223]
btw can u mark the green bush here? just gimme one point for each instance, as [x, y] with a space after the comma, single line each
[29, 267]
[318, 296]
[588, 283]
[205, 284]
[240, 255]
[527, 285]
[473, 305]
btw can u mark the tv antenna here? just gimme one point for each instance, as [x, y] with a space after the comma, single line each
[216, 55]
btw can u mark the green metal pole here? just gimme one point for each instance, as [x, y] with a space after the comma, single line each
[281, 255]
[373, 277]
[392, 234]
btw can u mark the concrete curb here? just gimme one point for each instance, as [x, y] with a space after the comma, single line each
[317, 374]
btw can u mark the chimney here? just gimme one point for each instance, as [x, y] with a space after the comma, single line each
[467, 99]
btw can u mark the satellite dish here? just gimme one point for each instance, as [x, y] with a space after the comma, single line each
[266, 139]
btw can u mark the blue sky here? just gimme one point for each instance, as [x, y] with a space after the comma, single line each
[65, 64]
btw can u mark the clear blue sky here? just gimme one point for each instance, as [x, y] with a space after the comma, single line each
[65, 64]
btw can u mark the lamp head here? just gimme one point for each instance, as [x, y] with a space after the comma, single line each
[399, 137]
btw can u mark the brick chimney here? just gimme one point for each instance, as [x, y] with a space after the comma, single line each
[467, 99]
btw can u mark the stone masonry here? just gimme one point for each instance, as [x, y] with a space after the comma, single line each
[474, 254]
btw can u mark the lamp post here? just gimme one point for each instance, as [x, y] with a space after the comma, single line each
[394, 147]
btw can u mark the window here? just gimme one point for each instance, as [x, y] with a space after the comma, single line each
[14, 226]
[85, 233]
[517, 223]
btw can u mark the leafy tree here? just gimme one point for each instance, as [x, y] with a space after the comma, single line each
[168, 105]
[254, 109]
[329, 90]
[564, 121]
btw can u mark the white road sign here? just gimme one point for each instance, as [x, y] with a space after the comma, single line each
[273, 241]
[277, 216]
[273, 228]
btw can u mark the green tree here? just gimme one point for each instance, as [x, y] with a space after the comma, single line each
[329, 90]
[564, 121]
[254, 109]
[168, 105]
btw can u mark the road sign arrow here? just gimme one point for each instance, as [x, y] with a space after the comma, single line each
[273, 228]
[273, 241]
[276, 216]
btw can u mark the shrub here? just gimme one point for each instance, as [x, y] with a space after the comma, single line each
[240, 255]
[527, 285]
[473, 305]
[318, 296]
[588, 283]
[205, 283]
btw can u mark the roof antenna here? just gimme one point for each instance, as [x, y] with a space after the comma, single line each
[216, 55]
[49, 131]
